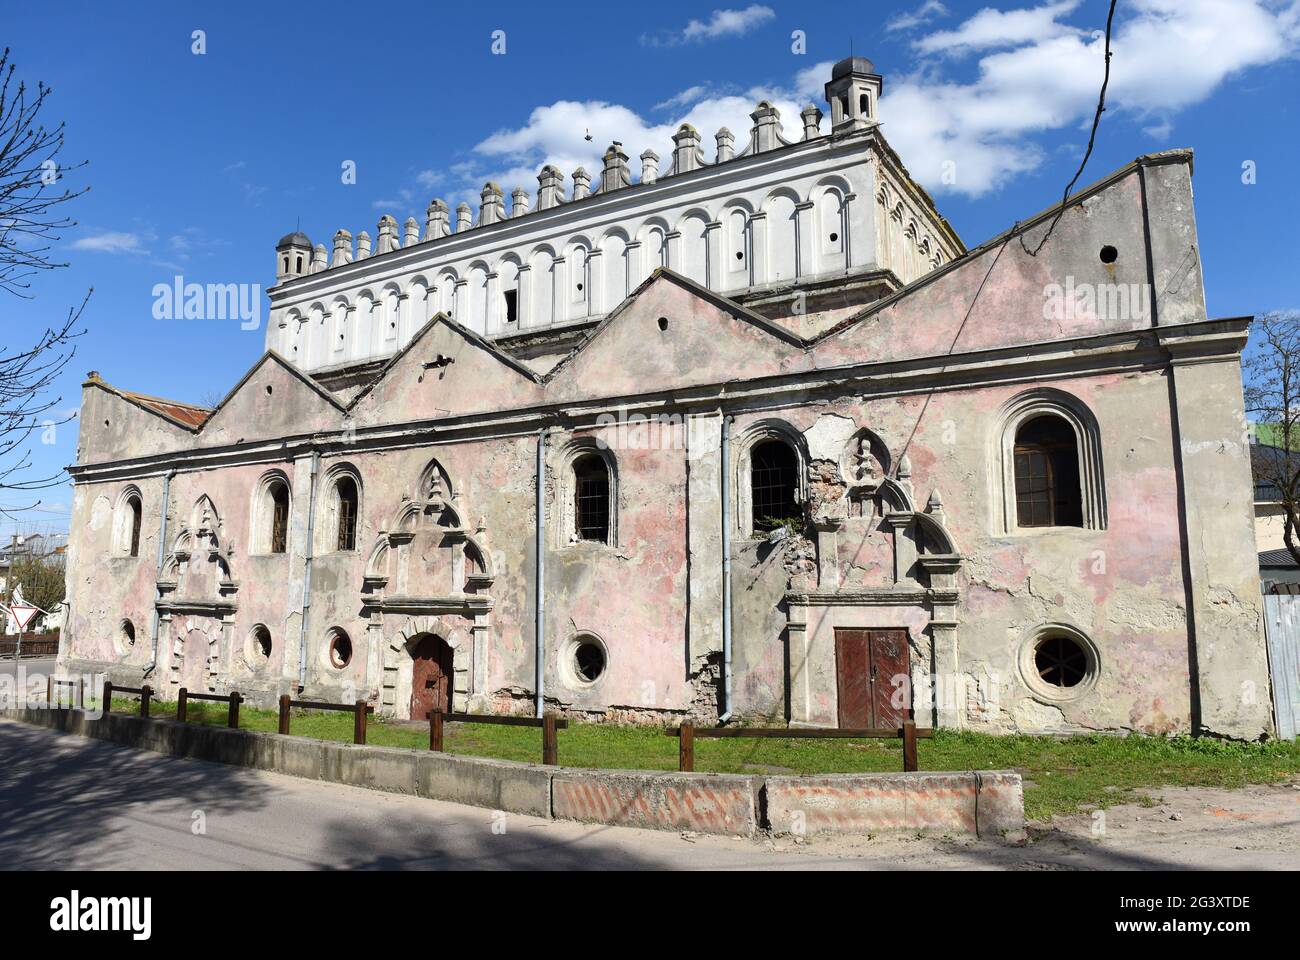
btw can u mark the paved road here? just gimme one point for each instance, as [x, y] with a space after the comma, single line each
[10, 666]
[73, 802]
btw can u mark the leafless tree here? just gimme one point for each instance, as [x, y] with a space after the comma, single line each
[1272, 388]
[31, 205]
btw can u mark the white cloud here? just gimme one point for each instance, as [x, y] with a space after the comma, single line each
[921, 15]
[991, 29]
[722, 23]
[556, 134]
[687, 96]
[110, 242]
[1167, 55]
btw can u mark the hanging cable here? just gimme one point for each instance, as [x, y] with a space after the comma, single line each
[1092, 139]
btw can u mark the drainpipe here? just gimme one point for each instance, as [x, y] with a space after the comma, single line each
[539, 654]
[162, 555]
[306, 576]
[726, 569]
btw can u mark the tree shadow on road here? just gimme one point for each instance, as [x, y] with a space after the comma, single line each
[60, 796]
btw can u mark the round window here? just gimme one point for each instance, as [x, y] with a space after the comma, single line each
[1059, 662]
[589, 662]
[340, 649]
[585, 660]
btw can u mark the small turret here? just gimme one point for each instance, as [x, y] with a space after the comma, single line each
[853, 93]
[292, 256]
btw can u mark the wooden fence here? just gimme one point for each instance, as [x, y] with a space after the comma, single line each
[78, 690]
[145, 691]
[687, 734]
[233, 698]
[359, 710]
[34, 645]
[550, 723]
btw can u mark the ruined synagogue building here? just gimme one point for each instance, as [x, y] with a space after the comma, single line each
[751, 436]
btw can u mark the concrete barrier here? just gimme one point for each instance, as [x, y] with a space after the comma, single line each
[703, 802]
[985, 803]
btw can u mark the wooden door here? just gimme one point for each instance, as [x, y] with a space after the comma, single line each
[891, 681]
[431, 676]
[869, 665]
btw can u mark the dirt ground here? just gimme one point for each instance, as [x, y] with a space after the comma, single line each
[1255, 828]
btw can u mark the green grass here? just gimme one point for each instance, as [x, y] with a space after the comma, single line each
[1060, 774]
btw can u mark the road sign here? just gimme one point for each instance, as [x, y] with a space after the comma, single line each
[23, 615]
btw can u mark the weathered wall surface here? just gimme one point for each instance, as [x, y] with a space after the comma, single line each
[902, 423]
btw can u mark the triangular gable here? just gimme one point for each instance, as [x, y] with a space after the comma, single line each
[274, 399]
[999, 294]
[446, 370]
[122, 425]
[672, 333]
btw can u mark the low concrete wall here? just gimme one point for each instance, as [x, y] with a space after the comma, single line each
[705, 802]
[986, 803]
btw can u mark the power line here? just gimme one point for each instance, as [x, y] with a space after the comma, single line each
[1092, 139]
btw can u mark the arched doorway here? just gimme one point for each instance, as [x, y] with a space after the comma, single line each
[431, 676]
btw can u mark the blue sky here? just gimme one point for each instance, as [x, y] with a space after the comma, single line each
[199, 163]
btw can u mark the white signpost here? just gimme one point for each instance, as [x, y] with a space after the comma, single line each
[22, 612]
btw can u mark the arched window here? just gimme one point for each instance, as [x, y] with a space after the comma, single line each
[346, 502]
[1047, 474]
[127, 519]
[1051, 475]
[271, 508]
[591, 498]
[279, 494]
[773, 485]
[133, 518]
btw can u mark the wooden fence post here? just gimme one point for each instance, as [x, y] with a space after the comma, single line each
[233, 719]
[909, 745]
[284, 714]
[182, 698]
[550, 746]
[49, 691]
[435, 730]
[106, 704]
[686, 748]
[359, 726]
[145, 693]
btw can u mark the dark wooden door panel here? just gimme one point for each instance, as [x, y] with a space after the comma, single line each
[853, 672]
[872, 678]
[431, 673]
[891, 683]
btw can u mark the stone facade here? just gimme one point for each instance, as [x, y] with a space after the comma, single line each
[311, 531]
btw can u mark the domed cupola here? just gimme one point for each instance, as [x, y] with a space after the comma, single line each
[292, 256]
[853, 93]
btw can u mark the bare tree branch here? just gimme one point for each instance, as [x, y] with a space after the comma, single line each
[30, 202]
[1272, 392]
[30, 221]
